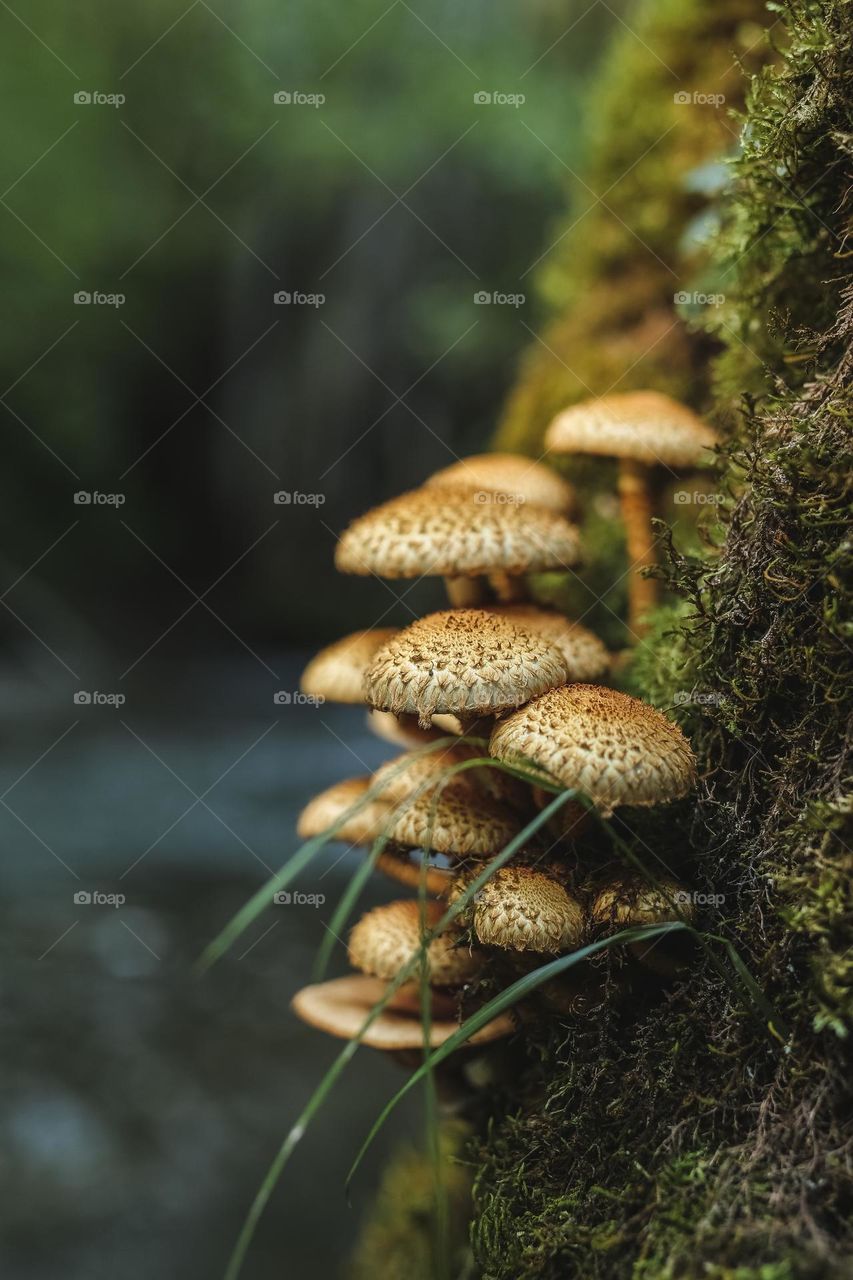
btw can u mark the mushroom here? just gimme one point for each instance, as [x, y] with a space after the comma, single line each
[458, 822]
[386, 938]
[521, 909]
[509, 476]
[585, 656]
[641, 429]
[465, 662]
[629, 903]
[404, 731]
[373, 820]
[611, 747]
[456, 535]
[336, 673]
[414, 771]
[339, 1007]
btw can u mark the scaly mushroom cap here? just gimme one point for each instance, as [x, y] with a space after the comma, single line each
[455, 821]
[627, 903]
[339, 1008]
[450, 533]
[508, 475]
[644, 425]
[585, 656]
[362, 827]
[463, 661]
[521, 909]
[414, 772]
[385, 939]
[614, 748]
[337, 672]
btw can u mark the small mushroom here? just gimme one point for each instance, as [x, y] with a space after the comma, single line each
[415, 772]
[340, 1006]
[627, 903]
[612, 747]
[510, 476]
[585, 656]
[465, 662]
[455, 535]
[642, 429]
[458, 822]
[521, 909]
[386, 938]
[337, 672]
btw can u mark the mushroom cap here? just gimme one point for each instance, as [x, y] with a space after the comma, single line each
[585, 656]
[415, 772]
[385, 938]
[339, 1007]
[521, 909]
[510, 475]
[397, 864]
[457, 821]
[337, 672]
[362, 827]
[463, 661]
[626, 902]
[644, 425]
[613, 748]
[451, 533]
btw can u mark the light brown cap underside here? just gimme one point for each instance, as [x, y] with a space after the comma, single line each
[339, 1008]
[465, 662]
[644, 425]
[509, 475]
[362, 827]
[451, 533]
[613, 748]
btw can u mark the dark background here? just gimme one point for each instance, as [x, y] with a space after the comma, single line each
[142, 1105]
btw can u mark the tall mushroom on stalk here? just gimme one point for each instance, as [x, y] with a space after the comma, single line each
[456, 535]
[642, 429]
[465, 662]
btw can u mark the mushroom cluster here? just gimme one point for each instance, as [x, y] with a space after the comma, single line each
[498, 705]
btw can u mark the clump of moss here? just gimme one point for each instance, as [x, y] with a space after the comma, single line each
[678, 1134]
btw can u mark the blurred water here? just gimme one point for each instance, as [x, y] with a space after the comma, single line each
[142, 1105]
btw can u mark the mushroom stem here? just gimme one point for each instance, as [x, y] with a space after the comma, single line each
[464, 592]
[637, 517]
[508, 588]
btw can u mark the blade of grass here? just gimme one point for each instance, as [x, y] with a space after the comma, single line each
[504, 1000]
